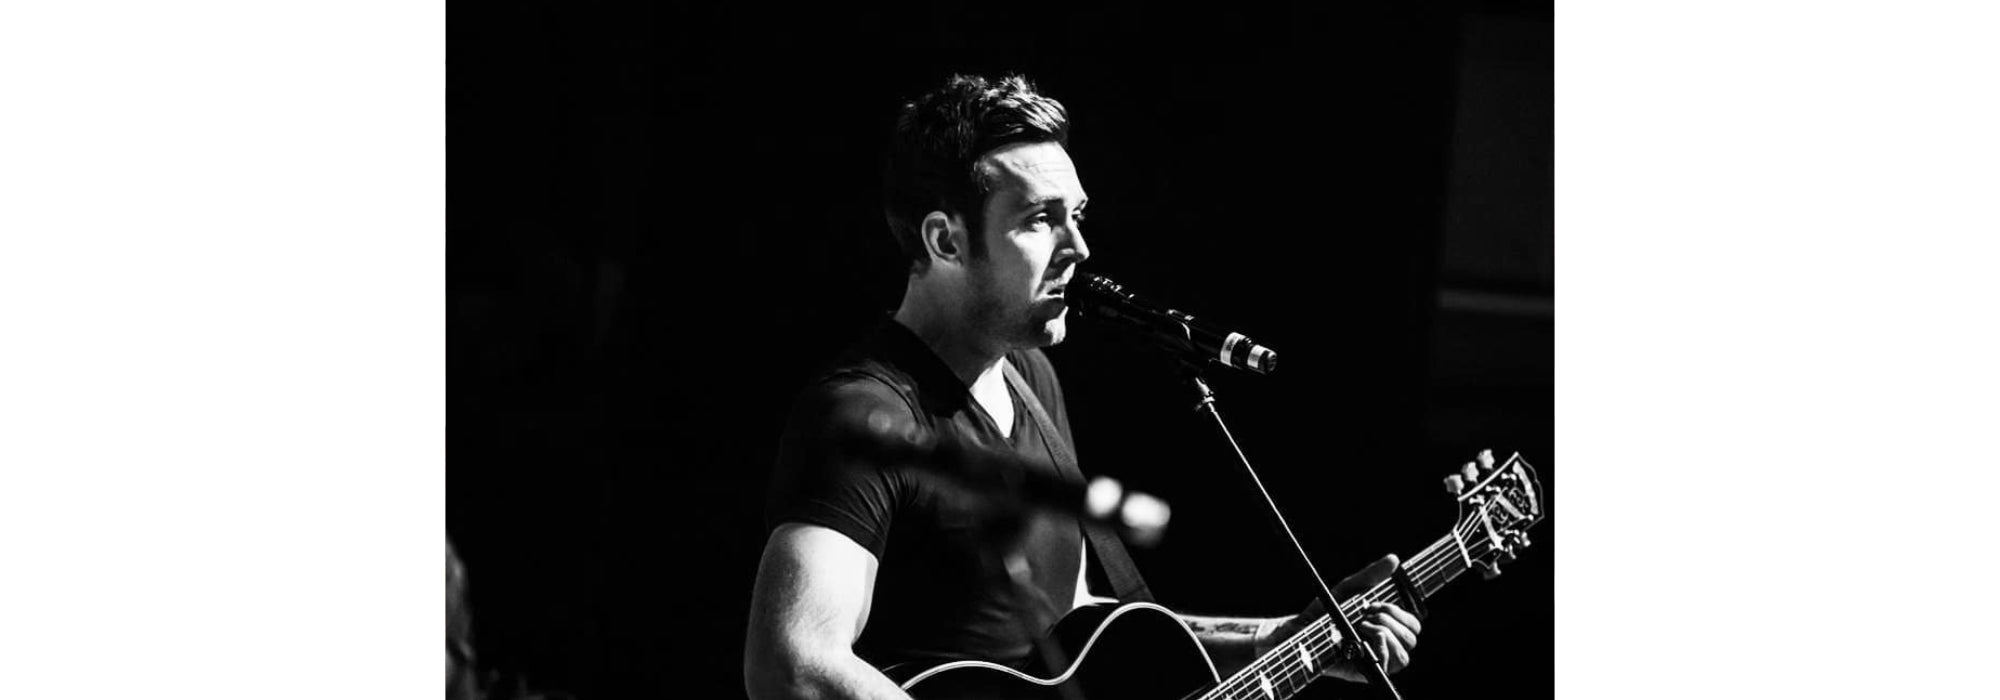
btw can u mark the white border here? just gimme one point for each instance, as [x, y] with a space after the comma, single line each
[1777, 226]
[221, 348]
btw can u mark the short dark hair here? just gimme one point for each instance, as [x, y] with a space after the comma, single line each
[934, 153]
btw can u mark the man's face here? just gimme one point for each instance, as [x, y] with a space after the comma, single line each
[1032, 239]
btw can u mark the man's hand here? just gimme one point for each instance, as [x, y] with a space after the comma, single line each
[1388, 629]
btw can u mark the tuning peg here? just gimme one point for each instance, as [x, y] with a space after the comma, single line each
[1486, 460]
[1489, 571]
[1454, 484]
[1470, 471]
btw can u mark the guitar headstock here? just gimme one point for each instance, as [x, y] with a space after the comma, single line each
[1495, 511]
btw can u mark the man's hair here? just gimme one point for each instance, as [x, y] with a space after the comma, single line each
[934, 153]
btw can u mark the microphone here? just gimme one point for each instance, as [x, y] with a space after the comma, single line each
[1195, 340]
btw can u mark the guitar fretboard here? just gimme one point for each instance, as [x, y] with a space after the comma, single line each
[1287, 669]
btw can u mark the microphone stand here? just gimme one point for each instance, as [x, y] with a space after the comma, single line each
[1206, 404]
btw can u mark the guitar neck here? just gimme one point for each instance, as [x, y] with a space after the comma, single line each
[1287, 669]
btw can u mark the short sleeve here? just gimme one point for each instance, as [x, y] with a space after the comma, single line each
[821, 480]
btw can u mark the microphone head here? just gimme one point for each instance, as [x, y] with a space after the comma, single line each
[1091, 292]
[1096, 281]
[1096, 296]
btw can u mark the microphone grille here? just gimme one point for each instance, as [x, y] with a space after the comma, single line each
[1097, 286]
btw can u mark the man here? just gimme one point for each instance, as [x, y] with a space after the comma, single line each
[869, 566]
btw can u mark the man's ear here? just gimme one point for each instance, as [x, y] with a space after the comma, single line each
[944, 237]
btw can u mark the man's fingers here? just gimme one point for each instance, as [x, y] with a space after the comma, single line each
[1402, 619]
[1387, 648]
[1367, 577]
[1402, 634]
[1382, 568]
[1387, 639]
[1387, 628]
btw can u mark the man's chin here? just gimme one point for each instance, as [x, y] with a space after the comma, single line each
[1053, 331]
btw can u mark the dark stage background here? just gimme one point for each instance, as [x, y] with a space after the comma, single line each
[662, 220]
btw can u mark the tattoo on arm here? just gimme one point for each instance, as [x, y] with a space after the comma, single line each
[1231, 642]
[1207, 626]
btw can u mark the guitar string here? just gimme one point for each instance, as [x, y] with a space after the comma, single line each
[1316, 638]
[1313, 637]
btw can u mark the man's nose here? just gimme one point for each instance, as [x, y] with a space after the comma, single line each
[1076, 251]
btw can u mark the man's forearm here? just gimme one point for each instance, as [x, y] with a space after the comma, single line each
[1233, 642]
[840, 675]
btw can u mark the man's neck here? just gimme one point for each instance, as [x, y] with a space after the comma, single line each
[962, 349]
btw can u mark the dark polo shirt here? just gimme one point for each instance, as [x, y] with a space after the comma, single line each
[940, 589]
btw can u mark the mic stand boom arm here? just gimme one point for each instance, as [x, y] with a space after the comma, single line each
[1369, 660]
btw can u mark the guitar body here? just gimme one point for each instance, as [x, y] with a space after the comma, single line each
[1141, 650]
[1135, 650]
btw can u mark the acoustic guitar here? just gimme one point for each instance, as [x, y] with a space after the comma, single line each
[1142, 650]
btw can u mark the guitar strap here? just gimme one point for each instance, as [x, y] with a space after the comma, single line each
[1125, 580]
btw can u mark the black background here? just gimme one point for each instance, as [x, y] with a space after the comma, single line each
[662, 220]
